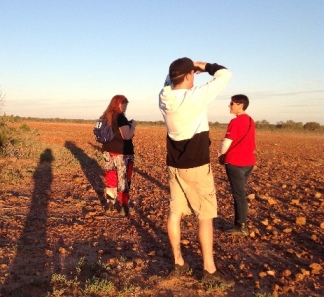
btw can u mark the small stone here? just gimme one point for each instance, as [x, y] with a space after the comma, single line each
[316, 268]
[262, 274]
[300, 221]
[138, 261]
[305, 272]
[113, 261]
[287, 230]
[322, 225]
[251, 196]
[265, 222]
[62, 250]
[286, 289]
[275, 288]
[242, 265]
[185, 241]
[263, 197]
[286, 272]
[318, 195]
[271, 272]
[272, 201]
[299, 277]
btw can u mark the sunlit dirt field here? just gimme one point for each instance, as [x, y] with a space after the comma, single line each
[57, 240]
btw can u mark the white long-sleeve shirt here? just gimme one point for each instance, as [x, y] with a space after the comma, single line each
[185, 115]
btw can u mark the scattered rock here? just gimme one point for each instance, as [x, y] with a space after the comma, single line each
[286, 272]
[251, 196]
[185, 241]
[294, 201]
[265, 222]
[62, 250]
[272, 201]
[134, 253]
[299, 276]
[262, 274]
[316, 268]
[300, 221]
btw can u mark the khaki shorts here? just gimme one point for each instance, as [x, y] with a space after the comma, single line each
[193, 191]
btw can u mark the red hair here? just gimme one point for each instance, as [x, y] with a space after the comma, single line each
[114, 107]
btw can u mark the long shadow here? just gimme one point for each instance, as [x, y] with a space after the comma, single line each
[155, 236]
[29, 274]
[152, 179]
[90, 167]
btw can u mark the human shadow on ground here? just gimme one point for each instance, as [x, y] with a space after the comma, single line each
[31, 259]
[92, 171]
[154, 231]
[90, 167]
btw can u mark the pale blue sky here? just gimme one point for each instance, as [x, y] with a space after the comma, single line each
[67, 58]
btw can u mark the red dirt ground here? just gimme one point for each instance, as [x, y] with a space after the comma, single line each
[51, 216]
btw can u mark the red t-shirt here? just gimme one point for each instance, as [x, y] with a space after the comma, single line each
[241, 152]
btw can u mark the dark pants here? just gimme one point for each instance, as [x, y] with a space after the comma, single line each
[237, 176]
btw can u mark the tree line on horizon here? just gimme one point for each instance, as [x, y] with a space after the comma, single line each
[263, 124]
[9, 136]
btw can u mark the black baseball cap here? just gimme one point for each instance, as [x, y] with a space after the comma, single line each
[181, 66]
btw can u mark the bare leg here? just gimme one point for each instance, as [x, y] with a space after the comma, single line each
[174, 233]
[205, 232]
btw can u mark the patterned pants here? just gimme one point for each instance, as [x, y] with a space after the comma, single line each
[119, 169]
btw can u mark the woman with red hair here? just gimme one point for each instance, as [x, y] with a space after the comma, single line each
[118, 156]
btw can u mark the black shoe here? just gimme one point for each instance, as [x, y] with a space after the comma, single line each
[217, 278]
[179, 270]
[239, 229]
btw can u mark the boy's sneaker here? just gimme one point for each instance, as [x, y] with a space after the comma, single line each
[217, 277]
[179, 270]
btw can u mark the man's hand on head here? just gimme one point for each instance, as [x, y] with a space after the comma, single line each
[199, 67]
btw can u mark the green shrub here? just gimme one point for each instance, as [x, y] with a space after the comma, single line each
[24, 128]
[312, 126]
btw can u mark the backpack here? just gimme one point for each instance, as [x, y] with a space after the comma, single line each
[102, 132]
